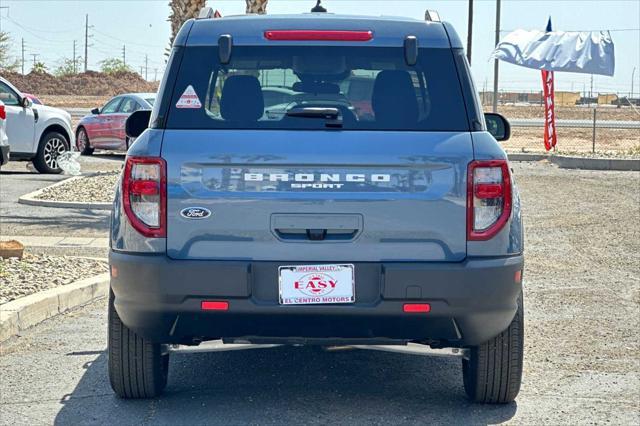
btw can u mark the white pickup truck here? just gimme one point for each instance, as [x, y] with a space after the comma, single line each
[36, 133]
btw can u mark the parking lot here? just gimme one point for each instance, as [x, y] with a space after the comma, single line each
[582, 357]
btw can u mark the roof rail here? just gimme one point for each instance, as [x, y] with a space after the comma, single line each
[431, 16]
[205, 13]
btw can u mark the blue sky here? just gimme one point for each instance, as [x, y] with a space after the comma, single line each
[49, 28]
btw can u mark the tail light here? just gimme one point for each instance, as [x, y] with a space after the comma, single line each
[144, 192]
[3, 113]
[488, 198]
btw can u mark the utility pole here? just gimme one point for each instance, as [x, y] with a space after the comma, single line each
[633, 73]
[591, 90]
[146, 67]
[35, 58]
[155, 74]
[470, 30]
[23, 56]
[86, 41]
[124, 54]
[495, 63]
[74, 57]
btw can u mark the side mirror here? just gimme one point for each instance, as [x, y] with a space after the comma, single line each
[95, 111]
[137, 123]
[26, 102]
[498, 126]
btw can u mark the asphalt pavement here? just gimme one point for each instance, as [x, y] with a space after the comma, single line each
[57, 374]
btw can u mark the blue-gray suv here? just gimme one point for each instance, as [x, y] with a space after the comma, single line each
[371, 205]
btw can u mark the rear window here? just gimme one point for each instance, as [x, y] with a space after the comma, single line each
[371, 87]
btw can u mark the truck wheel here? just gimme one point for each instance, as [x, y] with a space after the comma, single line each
[82, 142]
[493, 372]
[137, 367]
[51, 146]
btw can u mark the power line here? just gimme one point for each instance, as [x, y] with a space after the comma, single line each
[127, 41]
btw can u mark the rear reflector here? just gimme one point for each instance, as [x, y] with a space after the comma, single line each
[416, 307]
[209, 305]
[518, 276]
[321, 35]
[3, 113]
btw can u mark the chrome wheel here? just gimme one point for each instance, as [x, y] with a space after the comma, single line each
[52, 149]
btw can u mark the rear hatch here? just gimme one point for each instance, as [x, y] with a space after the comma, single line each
[385, 185]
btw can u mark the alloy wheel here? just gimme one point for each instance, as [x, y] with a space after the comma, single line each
[52, 150]
[82, 140]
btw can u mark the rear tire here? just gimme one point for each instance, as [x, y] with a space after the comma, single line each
[51, 146]
[83, 143]
[493, 372]
[137, 367]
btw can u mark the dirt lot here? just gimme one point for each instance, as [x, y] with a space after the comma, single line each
[610, 142]
[605, 112]
[582, 290]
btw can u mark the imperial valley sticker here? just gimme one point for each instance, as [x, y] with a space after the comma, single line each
[189, 99]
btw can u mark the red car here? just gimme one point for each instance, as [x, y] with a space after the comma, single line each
[33, 98]
[104, 127]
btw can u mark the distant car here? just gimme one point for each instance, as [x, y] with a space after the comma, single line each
[277, 95]
[34, 99]
[4, 141]
[104, 127]
[36, 133]
[358, 90]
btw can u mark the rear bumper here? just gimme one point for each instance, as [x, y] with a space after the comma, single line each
[471, 301]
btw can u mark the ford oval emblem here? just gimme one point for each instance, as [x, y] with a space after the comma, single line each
[195, 213]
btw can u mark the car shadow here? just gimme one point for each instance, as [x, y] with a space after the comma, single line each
[289, 385]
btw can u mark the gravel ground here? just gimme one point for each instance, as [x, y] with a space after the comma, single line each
[90, 189]
[582, 287]
[37, 272]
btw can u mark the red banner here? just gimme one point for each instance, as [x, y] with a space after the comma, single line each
[549, 111]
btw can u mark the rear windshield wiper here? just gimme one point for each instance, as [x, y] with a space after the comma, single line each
[332, 115]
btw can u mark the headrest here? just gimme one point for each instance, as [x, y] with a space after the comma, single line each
[394, 100]
[242, 99]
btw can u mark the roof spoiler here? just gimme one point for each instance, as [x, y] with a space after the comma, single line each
[431, 16]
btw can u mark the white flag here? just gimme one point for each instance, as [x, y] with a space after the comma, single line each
[583, 52]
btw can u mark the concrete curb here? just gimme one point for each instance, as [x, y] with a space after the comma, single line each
[584, 163]
[20, 314]
[518, 156]
[31, 199]
[618, 164]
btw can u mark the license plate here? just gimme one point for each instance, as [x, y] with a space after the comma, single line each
[315, 284]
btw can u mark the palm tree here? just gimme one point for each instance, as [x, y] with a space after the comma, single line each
[257, 6]
[181, 10]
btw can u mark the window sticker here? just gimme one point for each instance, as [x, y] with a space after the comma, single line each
[189, 99]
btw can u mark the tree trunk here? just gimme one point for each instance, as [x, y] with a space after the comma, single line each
[257, 6]
[181, 10]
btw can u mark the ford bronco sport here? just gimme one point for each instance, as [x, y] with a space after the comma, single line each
[394, 223]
